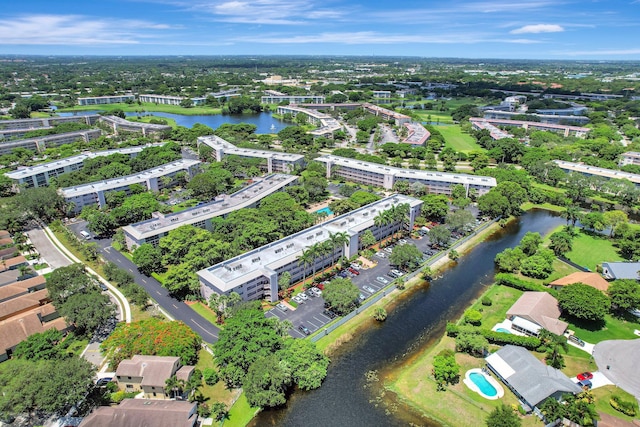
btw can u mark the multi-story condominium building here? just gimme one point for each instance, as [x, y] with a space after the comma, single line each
[118, 123]
[18, 133]
[161, 99]
[566, 130]
[254, 275]
[548, 119]
[382, 94]
[630, 158]
[292, 99]
[417, 135]
[95, 192]
[99, 100]
[46, 122]
[386, 176]
[333, 106]
[39, 144]
[40, 175]
[328, 125]
[494, 131]
[595, 171]
[386, 114]
[152, 230]
[276, 161]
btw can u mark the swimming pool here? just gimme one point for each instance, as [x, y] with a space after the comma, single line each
[503, 330]
[483, 384]
[325, 210]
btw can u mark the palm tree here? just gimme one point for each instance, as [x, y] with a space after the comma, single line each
[337, 240]
[19, 238]
[28, 247]
[554, 343]
[402, 215]
[382, 219]
[305, 258]
[571, 214]
[24, 269]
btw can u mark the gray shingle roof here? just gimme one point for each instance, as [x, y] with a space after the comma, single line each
[530, 378]
[621, 270]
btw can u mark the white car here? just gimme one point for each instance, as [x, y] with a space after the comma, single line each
[298, 299]
[382, 280]
[369, 289]
[282, 307]
[303, 296]
[381, 255]
[316, 291]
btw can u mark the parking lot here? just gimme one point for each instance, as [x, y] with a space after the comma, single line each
[309, 312]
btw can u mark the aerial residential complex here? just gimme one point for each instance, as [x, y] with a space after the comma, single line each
[39, 144]
[276, 161]
[488, 123]
[595, 171]
[386, 114]
[254, 275]
[274, 97]
[94, 193]
[418, 135]
[46, 122]
[630, 158]
[40, 175]
[99, 100]
[328, 125]
[160, 225]
[378, 175]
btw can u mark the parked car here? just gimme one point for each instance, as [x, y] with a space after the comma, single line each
[304, 329]
[317, 292]
[369, 289]
[388, 250]
[397, 272]
[362, 297]
[585, 376]
[330, 314]
[382, 280]
[576, 340]
[354, 271]
[298, 299]
[320, 286]
[103, 381]
[282, 307]
[303, 296]
[355, 266]
[381, 254]
[402, 241]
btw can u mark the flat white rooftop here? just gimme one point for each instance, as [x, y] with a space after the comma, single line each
[592, 170]
[216, 142]
[110, 184]
[25, 171]
[452, 178]
[222, 205]
[243, 268]
[120, 121]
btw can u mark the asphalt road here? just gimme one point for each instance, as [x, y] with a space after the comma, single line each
[175, 308]
[50, 254]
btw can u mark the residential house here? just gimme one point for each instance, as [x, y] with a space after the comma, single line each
[590, 279]
[534, 311]
[144, 413]
[148, 374]
[621, 270]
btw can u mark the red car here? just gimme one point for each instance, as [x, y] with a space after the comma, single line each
[354, 271]
[585, 376]
[320, 286]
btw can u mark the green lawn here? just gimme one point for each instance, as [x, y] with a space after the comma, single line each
[590, 250]
[604, 394]
[241, 413]
[204, 311]
[458, 140]
[502, 298]
[434, 116]
[612, 328]
[147, 119]
[217, 392]
[146, 106]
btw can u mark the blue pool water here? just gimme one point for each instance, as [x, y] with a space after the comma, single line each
[325, 210]
[506, 331]
[481, 381]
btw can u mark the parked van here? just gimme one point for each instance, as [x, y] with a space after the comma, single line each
[85, 234]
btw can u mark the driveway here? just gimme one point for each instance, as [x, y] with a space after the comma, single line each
[618, 361]
[49, 252]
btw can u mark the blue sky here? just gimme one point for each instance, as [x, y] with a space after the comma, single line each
[531, 29]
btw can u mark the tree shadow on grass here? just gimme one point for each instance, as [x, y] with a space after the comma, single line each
[589, 325]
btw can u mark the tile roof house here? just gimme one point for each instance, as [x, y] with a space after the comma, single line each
[534, 311]
[149, 374]
[591, 279]
[144, 413]
[530, 380]
[620, 270]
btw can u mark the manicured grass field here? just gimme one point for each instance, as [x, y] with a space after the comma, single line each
[241, 413]
[217, 392]
[146, 106]
[147, 119]
[502, 298]
[434, 116]
[590, 250]
[604, 394]
[457, 140]
[204, 311]
[613, 328]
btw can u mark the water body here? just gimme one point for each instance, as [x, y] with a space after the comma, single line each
[416, 320]
[264, 121]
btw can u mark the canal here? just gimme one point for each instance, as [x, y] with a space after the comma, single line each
[412, 324]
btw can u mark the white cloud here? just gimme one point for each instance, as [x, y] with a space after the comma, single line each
[538, 28]
[364, 37]
[75, 30]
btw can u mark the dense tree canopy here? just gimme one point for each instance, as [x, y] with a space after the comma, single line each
[584, 302]
[341, 295]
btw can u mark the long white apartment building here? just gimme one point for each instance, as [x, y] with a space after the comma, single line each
[630, 158]
[596, 171]
[386, 114]
[120, 124]
[94, 193]
[100, 100]
[18, 133]
[386, 176]
[544, 118]
[566, 130]
[494, 131]
[417, 134]
[161, 99]
[46, 122]
[292, 99]
[40, 143]
[152, 230]
[276, 161]
[327, 124]
[254, 275]
[40, 175]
